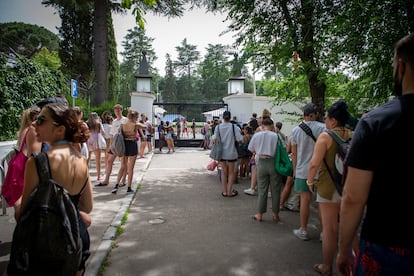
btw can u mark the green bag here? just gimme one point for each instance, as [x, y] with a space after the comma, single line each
[283, 164]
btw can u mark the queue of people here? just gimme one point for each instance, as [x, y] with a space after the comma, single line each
[352, 224]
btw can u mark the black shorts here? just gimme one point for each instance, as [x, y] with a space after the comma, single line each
[131, 148]
[232, 160]
[149, 138]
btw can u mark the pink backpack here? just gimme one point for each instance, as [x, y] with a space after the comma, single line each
[12, 188]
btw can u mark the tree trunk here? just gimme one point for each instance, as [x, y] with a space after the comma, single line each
[100, 54]
[316, 85]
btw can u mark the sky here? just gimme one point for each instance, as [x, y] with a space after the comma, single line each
[200, 28]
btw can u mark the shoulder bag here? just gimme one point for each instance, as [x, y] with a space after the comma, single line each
[216, 152]
[283, 164]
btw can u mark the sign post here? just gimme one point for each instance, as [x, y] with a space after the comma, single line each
[74, 89]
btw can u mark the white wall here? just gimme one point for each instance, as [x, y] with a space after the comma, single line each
[142, 102]
[243, 105]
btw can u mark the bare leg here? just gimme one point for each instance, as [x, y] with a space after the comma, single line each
[253, 180]
[111, 159]
[98, 163]
[224, 176]
[231, 177]
[122, 169]
[286, 191]
[131, 164]
[142, 148]
[305, 200]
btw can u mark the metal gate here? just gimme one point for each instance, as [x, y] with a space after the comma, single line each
[200, 112]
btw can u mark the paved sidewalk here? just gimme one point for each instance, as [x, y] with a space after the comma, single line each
[106, 216]
[179, 224]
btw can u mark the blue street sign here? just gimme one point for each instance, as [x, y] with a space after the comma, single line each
[74, 88]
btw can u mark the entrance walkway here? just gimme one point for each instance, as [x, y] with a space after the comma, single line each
[179, 224]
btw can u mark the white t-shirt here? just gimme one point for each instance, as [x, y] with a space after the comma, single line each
[116, 124]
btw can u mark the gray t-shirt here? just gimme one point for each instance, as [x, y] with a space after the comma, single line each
[305, 145]
[227, 139]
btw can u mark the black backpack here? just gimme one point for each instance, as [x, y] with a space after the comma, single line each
[340, 169]
[46, 239]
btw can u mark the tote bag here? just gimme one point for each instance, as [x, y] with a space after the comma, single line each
[118, 143]
[283, 164]
[217, 149]
[12, 187]
[101, 141]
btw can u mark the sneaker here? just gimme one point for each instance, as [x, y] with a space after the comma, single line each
[130, 190]
[250, 191]
[122, 184]
[301, 234]
[115, 189]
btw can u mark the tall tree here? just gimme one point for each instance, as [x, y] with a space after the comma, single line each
[185, 66]
[105, 58]
[213, 71]
[277, 29]
[134, 43]
[26, 39]
[169, 86]
[75, 49]
[88, 48]
[114, 74]
[100, 51]
[363, 39]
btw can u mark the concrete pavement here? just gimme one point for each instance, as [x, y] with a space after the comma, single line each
[177, 223]
[106, 216]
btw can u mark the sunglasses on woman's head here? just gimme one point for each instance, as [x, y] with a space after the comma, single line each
[41, 119]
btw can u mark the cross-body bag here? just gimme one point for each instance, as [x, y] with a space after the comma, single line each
[308, 131]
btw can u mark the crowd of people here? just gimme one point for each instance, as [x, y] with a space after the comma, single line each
[52, 126]
[353, 233]
[354, 236]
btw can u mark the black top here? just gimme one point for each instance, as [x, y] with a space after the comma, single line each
[381, 144]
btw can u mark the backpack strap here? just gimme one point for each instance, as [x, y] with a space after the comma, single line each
[335, 136]
[307, 130]
[24, 139]
[42, 166]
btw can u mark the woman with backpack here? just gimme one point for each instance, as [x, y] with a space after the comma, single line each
[58, 125]
[327, 196]
[27, 144]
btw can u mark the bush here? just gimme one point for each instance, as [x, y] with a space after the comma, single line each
[23, 83]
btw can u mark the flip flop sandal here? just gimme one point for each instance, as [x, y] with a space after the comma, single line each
[100, 184]
[233, 193]
[256, 219]
[317, 268]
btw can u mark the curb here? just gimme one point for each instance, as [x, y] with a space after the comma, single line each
[94, 264]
